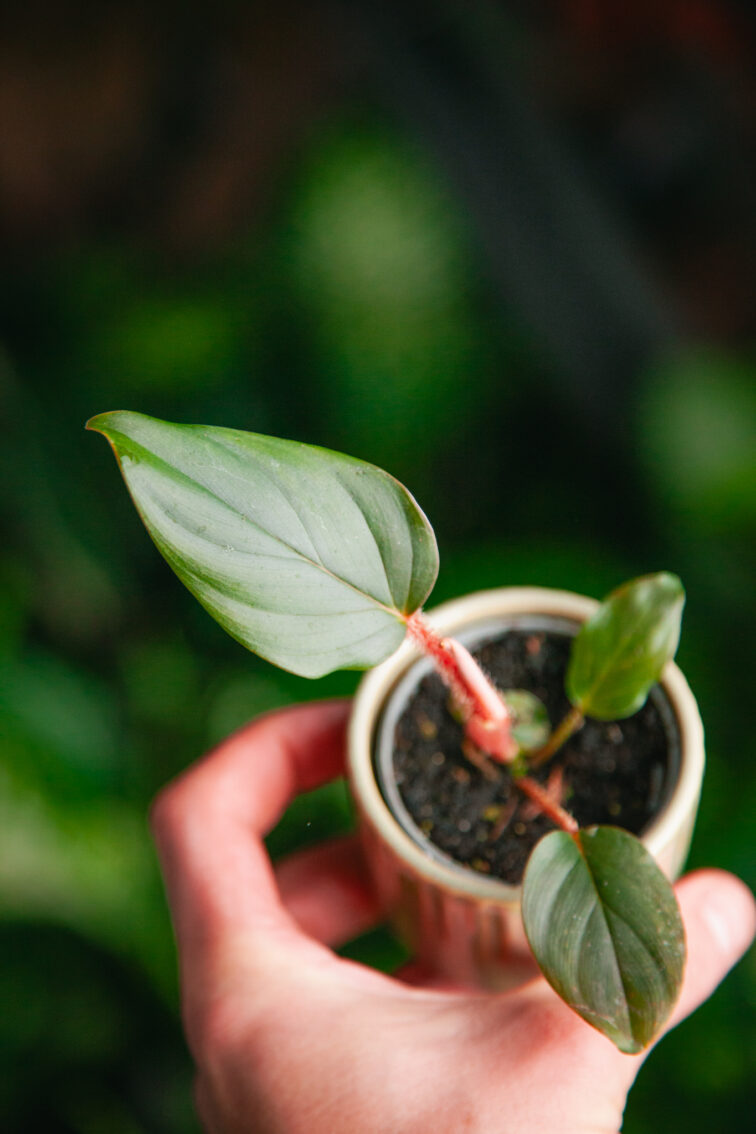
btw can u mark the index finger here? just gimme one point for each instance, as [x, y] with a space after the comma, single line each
[210, 822]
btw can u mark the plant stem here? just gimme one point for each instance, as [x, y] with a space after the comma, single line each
[487, 718]
[440, 652]
[564, 730]
[537, 792]
[479, 760]
[488, 722]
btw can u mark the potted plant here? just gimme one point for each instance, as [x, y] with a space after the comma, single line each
[317, 561]
[464, 921]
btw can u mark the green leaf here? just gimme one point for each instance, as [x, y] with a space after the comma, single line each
[605, 929]
[308, 557]
[530, 720]
[620, 652]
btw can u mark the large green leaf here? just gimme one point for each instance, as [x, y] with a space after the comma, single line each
[620, 652]
[308, 557]
[605, 929]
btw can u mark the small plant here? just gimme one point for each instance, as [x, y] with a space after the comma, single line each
[317, 561]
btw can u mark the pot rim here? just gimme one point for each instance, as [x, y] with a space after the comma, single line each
[449, 618]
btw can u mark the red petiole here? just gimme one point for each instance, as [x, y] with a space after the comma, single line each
[488, 722]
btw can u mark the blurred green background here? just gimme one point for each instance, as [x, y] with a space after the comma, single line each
[505, 250]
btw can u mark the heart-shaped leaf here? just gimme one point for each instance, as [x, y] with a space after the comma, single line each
[605, 929]
[308, 557]
[620, 652]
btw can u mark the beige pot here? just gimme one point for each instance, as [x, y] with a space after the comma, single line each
[466, 926]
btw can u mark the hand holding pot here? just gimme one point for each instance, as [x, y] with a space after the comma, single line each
[288, 1037]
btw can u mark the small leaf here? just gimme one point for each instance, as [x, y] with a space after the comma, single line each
[530, 720]
[605, 929]
[308, 557]
[620, 652]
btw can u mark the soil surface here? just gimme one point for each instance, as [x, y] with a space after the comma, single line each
[613, 773]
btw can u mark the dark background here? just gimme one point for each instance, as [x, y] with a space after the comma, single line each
[506, 251]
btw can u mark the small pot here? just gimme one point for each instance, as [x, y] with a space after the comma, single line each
[462, 925]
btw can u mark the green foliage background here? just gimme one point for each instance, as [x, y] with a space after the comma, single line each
[358, 314]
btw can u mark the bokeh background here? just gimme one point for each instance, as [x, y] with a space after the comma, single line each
[506, 250]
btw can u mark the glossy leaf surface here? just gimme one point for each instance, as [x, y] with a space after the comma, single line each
[620, 652]
[604, 926]
[306, 556]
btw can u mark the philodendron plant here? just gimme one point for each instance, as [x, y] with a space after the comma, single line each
[317, 561]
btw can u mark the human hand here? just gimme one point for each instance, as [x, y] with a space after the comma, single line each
[288, 1037]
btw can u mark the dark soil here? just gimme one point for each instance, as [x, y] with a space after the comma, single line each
[614, 773]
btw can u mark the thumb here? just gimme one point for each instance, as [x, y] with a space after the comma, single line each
[719, 914]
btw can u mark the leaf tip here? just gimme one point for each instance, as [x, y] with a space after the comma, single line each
[119, 427]
[670, 582]
[107, 424]
[99, 423]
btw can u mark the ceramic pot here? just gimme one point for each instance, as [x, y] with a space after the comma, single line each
[463, 925]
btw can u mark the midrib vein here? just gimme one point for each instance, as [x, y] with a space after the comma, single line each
[174, 474]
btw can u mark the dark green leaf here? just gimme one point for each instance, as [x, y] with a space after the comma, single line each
[605, 929]
[308, 557]
[620, 652]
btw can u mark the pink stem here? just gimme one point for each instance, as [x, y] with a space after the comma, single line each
[547, 804]
[487, 719]
[440, 651]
